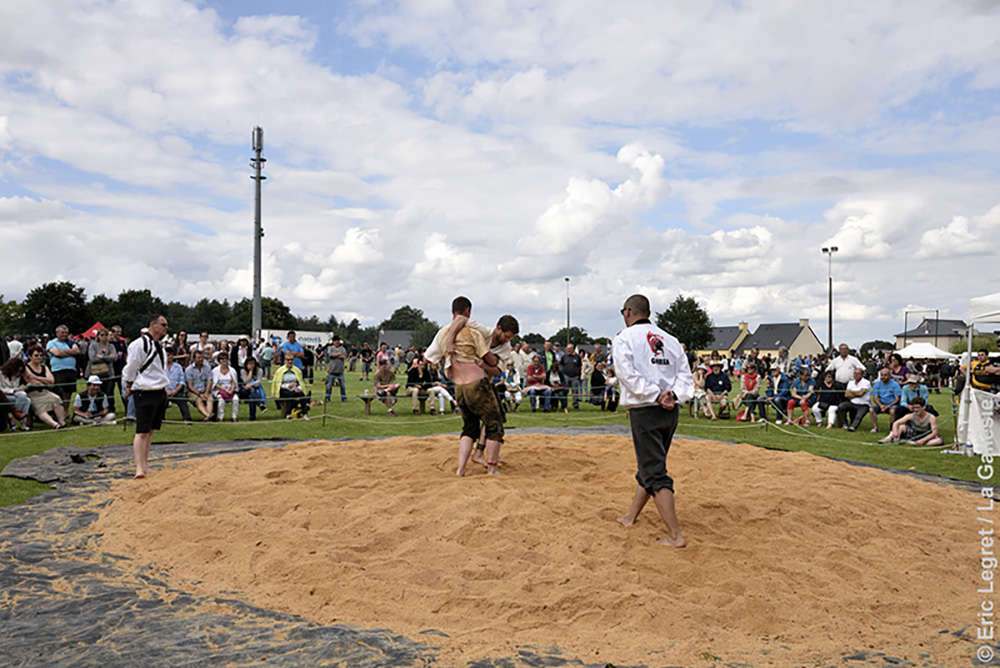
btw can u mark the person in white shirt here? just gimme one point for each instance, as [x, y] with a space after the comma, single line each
[655, 377]
[843, 366]
[857, 400]
[146, 380]
[225, 387]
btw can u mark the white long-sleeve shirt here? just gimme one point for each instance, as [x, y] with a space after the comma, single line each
[649, 361]
[154, 376]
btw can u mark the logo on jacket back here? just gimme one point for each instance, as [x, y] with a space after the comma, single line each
[656, 345]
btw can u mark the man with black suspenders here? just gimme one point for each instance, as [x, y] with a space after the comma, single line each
[145, 377]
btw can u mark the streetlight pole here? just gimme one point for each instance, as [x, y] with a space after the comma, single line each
[829, 254]
[567, 310]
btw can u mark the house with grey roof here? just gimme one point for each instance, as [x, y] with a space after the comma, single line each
[940, 333]
[797, 337]
[725, 340]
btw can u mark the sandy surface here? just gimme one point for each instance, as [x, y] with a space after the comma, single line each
[791, 557]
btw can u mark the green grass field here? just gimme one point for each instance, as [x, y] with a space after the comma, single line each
[348, 420]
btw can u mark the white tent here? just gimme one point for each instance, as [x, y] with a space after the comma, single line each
[978, 422]
[925, 351]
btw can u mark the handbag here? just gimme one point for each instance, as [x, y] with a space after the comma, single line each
[99, 369]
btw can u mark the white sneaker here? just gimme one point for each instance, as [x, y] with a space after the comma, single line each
[761, 420]
[874, 430]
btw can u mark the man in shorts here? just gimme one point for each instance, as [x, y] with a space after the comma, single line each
[146, 380]
[472, 367]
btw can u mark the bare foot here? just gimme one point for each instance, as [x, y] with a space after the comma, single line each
[492, 470]
[139, 475]
[672, 542]
[625, 520]
[460, 472]
[477, 456]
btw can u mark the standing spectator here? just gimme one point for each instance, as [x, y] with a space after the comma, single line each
[198, 376]
[266, 358]
[225, 387]
[206, 347]
[182, 349]
[103, 355]
[293, 348]
[121, 345]
[62, 361]
[177, 391]
[586, 368]
[146, 378]
[239, 353]
[367, 355]
[337, 354]
[572, 367]
[843, 366]
[91, 406]
[308, 364]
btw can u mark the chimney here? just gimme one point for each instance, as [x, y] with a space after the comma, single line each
[743, 327]
[803, 322]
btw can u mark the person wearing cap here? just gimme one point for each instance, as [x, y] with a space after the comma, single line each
[717, 389]
[913, 389]
[778, 393]
[886, 394]
[91, 406]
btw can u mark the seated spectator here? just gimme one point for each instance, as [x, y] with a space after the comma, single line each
[984, 374]
[177, 390]
[911, 391]
[857, 401]
[15, 391]
[778, 393]
[886, 394]
[39, 379]
[418, 383]
[251, 379]
[512, 387]
[557, 385]
[439, 388]
[803, 394]
[699, 404]
[182, 349]
[225, 387]
[103, 355]
[827, 399]
[749, 392]
[91, 406]
[198, 377]
[918, 427]
[717, 389]
[286, 388]
[62, 363]
[386, 386]
[535, 386]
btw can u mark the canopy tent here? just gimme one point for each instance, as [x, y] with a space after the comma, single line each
[92, 332]
[925, 351]
[978, 421]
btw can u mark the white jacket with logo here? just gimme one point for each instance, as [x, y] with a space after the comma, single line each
[648, 361]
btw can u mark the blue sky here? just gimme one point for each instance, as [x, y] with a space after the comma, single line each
[419, 150]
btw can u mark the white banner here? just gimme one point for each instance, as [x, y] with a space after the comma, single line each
[305, 338]
[982, 427]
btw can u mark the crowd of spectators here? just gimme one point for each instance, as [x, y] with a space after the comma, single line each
[39, 381]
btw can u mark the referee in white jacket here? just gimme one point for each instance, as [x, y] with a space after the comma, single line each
[145, 377]
[654, 374]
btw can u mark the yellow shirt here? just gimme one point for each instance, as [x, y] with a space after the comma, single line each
[470, 345]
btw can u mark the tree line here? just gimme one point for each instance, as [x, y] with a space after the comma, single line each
[62, 302]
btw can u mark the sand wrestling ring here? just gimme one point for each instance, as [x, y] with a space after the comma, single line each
[372, 553]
